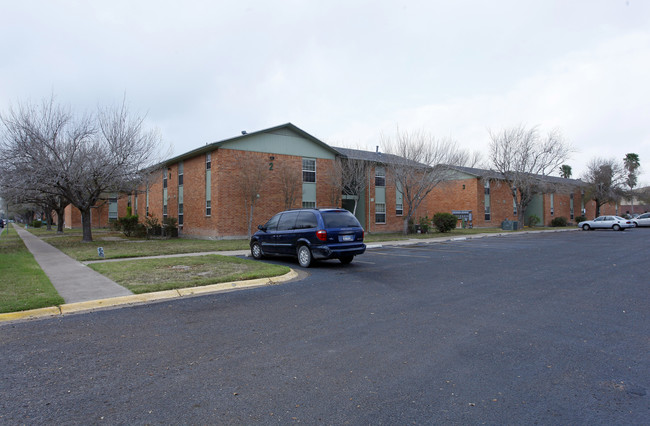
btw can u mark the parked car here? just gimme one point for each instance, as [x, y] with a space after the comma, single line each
[642, 220]
[616, 223]
[310, 234]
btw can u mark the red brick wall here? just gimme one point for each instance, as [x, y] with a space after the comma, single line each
[98, 216]
[229, 216]
[469, 194]
[393, 223]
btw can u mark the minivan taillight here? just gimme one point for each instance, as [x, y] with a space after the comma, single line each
[321, 235]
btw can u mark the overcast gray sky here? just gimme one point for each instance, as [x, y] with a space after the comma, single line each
[344, 71]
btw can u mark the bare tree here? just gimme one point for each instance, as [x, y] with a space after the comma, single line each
[290, 184]
[419, 162]
[353, 178]
[522, 156]
[78, 157]
[251, 183]
[605, 179]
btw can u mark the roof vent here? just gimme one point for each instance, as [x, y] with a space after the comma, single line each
[243, 132]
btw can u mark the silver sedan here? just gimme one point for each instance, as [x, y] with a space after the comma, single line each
[616, 223]
[642, 220]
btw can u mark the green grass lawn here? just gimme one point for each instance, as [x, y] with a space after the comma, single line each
[117, 246]
[23, 285]
[147, 275]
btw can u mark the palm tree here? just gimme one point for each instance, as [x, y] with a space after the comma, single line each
[565, 171]
[632, 164]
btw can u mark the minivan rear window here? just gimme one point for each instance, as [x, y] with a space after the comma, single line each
[340, 219]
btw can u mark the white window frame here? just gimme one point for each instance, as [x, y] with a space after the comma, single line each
[308, 170]
[380, 209]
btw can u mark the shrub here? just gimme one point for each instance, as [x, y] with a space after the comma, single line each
[559, 221]
[424, 224]
[444, 222]
[152, 226]
[170, 228]
[411, 226]
[579, 219]
[532, 220]
[36, 223]
[128, 224]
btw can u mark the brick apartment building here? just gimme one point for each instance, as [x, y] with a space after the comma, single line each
[203, 188]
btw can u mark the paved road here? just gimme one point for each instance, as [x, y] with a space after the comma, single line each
[547, 328]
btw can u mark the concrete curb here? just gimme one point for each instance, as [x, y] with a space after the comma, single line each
[70, 308]
[414, 241]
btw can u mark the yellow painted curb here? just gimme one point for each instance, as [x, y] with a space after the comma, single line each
[69, 308]
[32, 313]
[115, 301]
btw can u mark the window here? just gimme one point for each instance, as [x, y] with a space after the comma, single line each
[306, 220]
[165, 179]
[112, 208]
[287, 221]
[552, 204]
[208, 161]
[308, 204]
[308, 170]
[180, 174]
[399, 199]
[487, 200]
[340, 219]
[571, 205]
[380, 176]
[380, 213]
[514, 202]
[208, 187]
[272, 224]
[164, 211]
[180, 214]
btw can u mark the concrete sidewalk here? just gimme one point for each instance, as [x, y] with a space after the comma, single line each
[74, 282]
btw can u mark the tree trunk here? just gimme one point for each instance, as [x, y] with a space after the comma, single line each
[250, 219]
[48, 221]
[85, 222]
[60, 214]
[405, 227]
[521, 216]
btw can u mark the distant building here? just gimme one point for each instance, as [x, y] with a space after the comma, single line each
[202, 190]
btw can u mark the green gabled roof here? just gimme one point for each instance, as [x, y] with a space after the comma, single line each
[215, 145]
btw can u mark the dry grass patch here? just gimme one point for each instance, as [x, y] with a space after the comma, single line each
[147, 275]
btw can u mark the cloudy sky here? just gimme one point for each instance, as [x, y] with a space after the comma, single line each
[344, 71]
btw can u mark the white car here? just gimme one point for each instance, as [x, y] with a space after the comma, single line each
[616, 223]
[642, 220]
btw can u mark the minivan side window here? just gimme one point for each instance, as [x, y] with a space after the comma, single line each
[306, 220]
[287, 221]
[272, 223]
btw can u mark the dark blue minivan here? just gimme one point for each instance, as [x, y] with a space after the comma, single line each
[310, 234]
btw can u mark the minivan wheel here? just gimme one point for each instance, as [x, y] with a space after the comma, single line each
[346, 259]
[256, 251]
[304, 256]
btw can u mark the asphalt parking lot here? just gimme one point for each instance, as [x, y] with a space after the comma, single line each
[538, 328]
